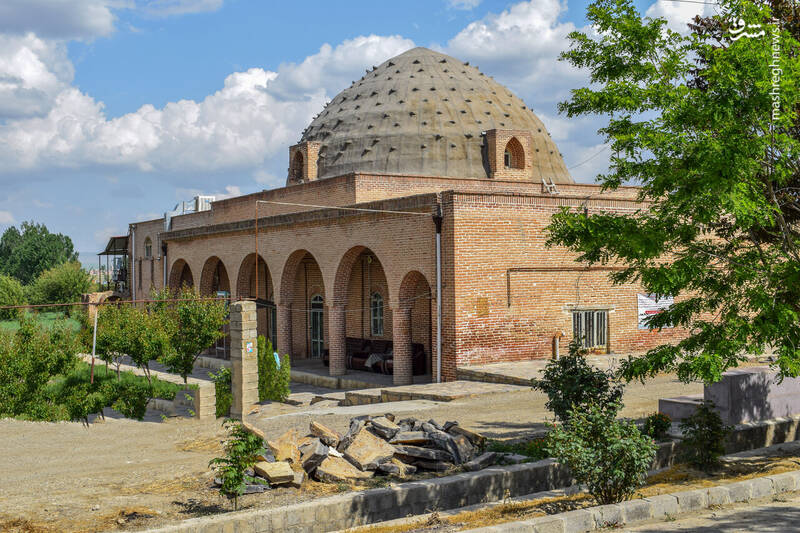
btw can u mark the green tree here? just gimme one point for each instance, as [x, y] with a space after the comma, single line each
[27, 252]
[690, 120]
[11, 293]
[29, 359]
[64, 283]
[241, 449]
[193, 324]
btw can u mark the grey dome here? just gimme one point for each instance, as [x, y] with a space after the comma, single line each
[422, 113]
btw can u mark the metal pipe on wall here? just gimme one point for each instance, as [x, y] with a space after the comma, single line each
[437, 219]
[131, 281]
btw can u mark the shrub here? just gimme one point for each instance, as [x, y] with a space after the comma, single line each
[571, 383]
[29, 359]
[611, 457]
[657, 425]
[222, 388]
[61, 284]
[704, 437]
[11, 293]
[241, 449]
[536, 449]
[273, 378]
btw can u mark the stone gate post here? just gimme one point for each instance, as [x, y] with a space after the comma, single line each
[244, 358]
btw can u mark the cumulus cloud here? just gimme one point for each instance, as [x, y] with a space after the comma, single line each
[678, 14]
[6, 218]
[57, 19]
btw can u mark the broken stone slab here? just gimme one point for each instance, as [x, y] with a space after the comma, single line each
[276, 473]
[512, 458]
[356, 425]
[413, 424]
[445, 441]
[410, 437]
[427, 454]
[255, 488]
[299, 478]
[466, 451]
[447, 425]
[435, 466]
[284, 448]
[266, 456]
[328, 436]
[312, 454]
[484, 460]
[367, 451]
[389, 416]
[335, 469]
[335, 452]
[397, 468]
[476, 439]
[384, 427]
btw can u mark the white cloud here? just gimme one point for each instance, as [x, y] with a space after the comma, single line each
[463, 4]
[520, 47]
[678, 14]
[166, 8]
[57, 19]
[6, 218]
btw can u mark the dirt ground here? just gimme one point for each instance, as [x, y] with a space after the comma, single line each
[124, 475]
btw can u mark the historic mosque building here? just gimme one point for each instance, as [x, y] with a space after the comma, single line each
[412, 224]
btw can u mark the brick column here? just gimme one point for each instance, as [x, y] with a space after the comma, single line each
[284, 330]
[401, 341]
[336, 341]
[244, 358]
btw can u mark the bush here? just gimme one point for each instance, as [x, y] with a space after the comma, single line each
[273, 379]
[536, 449]
[61, 284]
[657, 425]
[241, 449]
[611, 457]
[11, 293]
[704, 437]
[222, 388]
[571, 383]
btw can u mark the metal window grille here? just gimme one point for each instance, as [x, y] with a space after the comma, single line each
[376, 313]
[591, 327]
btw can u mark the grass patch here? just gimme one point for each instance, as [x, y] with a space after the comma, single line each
[161, 389]
[45, 318]
[535, 449]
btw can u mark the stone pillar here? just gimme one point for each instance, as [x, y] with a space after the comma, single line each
[401, 341]
[337, 347]
[244, 358]
[284, 329]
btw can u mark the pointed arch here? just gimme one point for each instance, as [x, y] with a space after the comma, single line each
[514, 154]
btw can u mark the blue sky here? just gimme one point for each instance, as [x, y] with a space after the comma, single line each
[112, 111]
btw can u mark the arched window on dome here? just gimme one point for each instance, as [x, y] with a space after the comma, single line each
[514, 155]
[296, 168]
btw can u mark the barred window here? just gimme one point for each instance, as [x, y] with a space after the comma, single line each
[590, 327]
[376, 312]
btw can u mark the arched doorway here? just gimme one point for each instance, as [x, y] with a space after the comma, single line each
[214, 278]
[303, 305]
[413, 325]
[265, 297]
[180, 275]
[361, 299]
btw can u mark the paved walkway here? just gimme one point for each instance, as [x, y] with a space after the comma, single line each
[775, 517]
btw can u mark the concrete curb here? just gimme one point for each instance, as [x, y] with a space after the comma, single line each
[663, 507]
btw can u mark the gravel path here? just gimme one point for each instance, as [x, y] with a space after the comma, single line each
[122, 474]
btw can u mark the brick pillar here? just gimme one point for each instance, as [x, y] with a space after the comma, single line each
[244, 354]
[401, 341]
[284, 330]
[336, 341]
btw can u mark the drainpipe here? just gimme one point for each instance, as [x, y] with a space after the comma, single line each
[437, 219]
[164, 261]
[132, 270]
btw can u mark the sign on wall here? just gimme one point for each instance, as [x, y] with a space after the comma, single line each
[650, 305]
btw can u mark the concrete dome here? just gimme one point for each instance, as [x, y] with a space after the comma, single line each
[422, 113]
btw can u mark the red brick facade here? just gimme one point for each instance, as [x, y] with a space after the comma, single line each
[504, 294]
